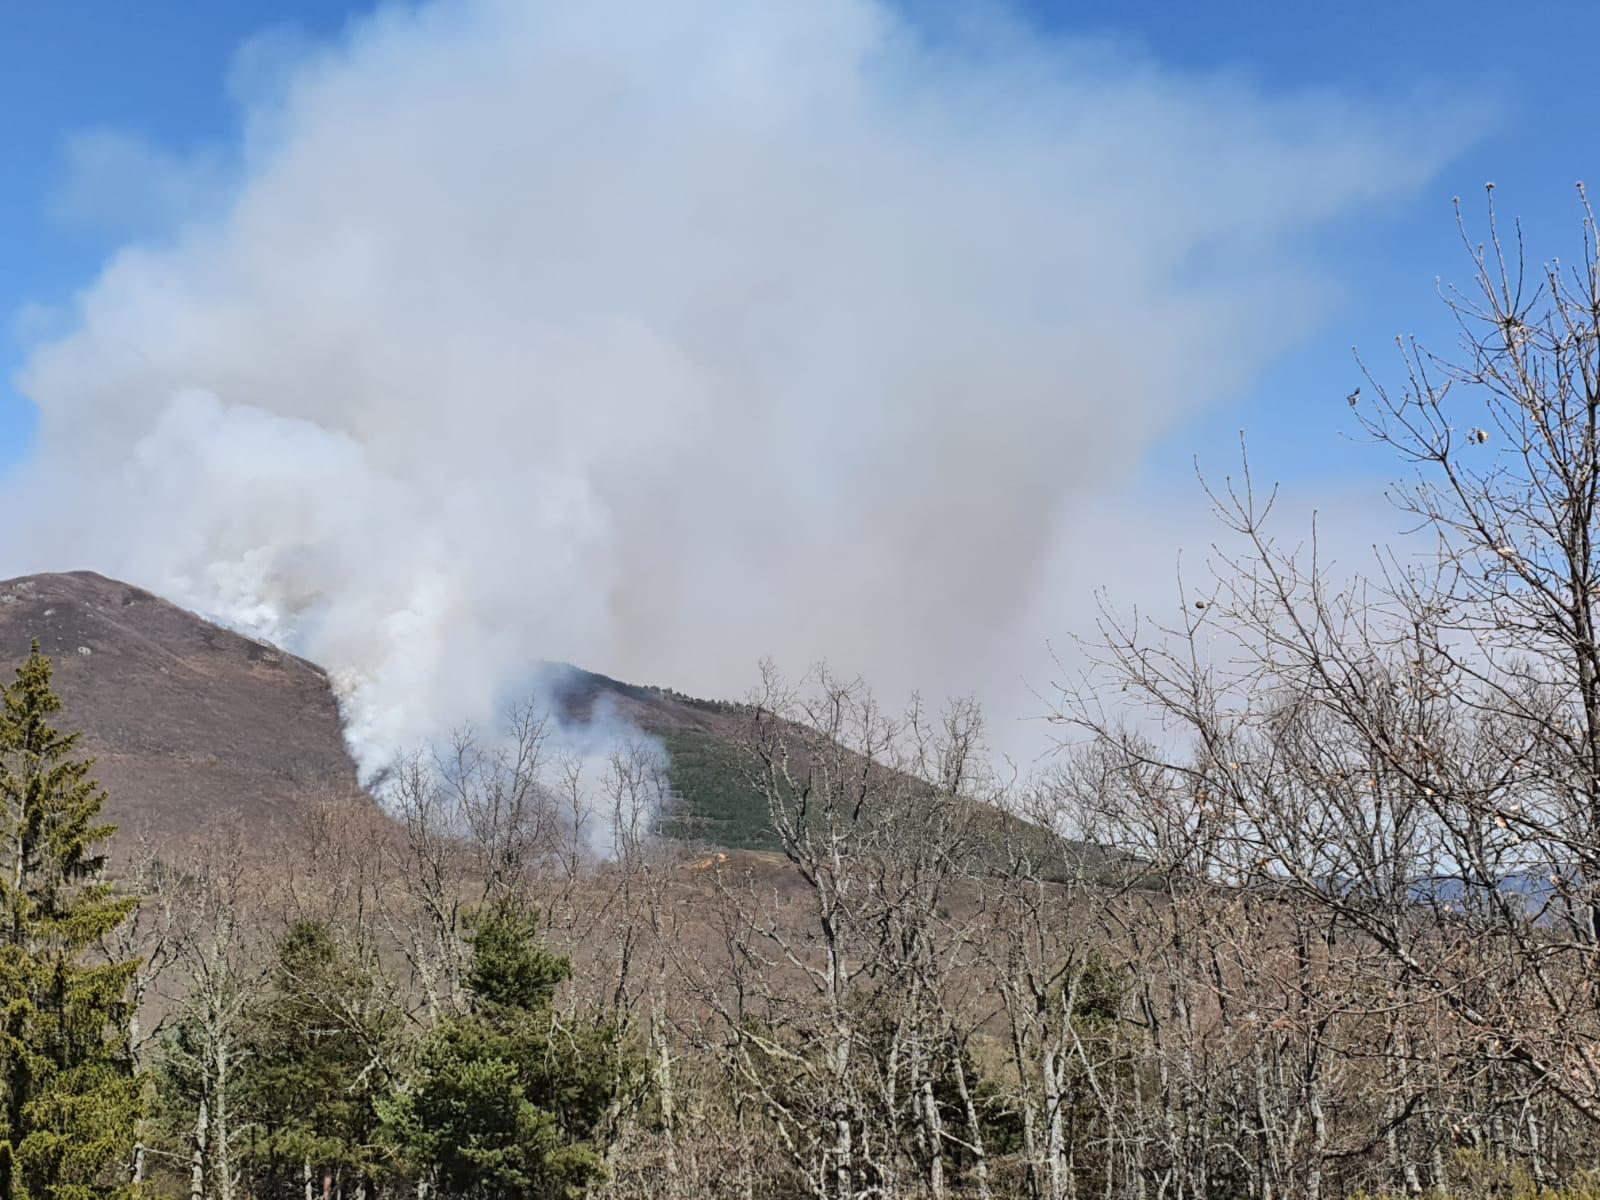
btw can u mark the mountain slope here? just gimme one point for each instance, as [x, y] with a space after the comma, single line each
[715, 804]
[188, 720]
[184, 718]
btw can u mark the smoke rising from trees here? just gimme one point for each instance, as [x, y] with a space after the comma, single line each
[657, 341]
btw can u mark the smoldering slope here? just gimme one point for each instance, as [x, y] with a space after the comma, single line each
[663, 337]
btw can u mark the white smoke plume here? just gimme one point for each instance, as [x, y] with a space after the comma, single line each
[659, 337]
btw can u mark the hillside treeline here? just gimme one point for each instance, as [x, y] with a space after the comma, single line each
[1307, 905]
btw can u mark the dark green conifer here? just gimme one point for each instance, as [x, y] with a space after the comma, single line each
[69, 1098]
[507, 1103]
[322, 1037]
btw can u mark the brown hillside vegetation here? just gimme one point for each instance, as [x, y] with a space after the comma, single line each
[181, 715]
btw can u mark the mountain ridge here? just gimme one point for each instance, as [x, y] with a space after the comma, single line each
[188, 720]
[183, 717]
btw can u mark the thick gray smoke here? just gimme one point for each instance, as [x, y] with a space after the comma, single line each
[659, 337]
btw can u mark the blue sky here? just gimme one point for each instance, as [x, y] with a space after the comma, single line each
[159, 71]
[1520, 67]
[156, 70]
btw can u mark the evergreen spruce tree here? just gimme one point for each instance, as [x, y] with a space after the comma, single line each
[322, 1039]
[69, 1098]
[506, 1103]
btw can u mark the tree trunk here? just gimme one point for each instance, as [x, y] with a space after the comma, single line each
[1050, 1076]
[935, 1134]
[197, 1157]
[980, 1156]
[663, 1073]
[223, 1156]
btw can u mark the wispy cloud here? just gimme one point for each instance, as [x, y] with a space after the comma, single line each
[116, 183]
